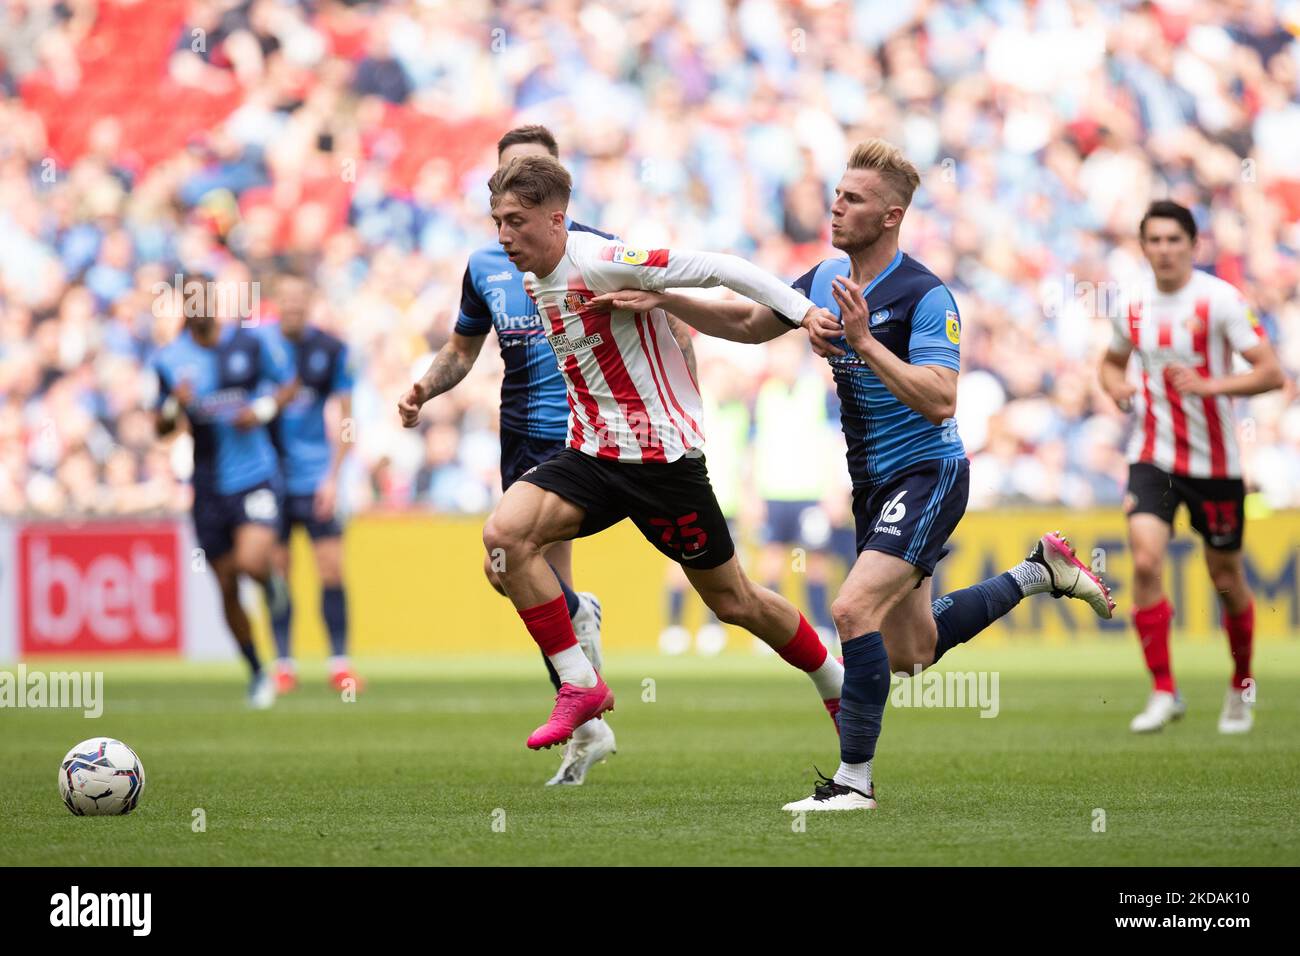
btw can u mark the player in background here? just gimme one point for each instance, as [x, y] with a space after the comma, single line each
[534, 419]
[635, 444]
[310, 459]
[895, 362]
[1184, 325]
[228, 383]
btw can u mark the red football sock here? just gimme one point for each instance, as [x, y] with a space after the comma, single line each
[550, 626]
[805, 650]
[1152, 625]
[1241, 641]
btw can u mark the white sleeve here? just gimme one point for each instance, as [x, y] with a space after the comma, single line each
[658, 269]
[1121, 337]
[1237, 321]
[1120, 343]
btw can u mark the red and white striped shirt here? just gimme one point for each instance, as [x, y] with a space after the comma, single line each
[1199, 326]
[631, 397]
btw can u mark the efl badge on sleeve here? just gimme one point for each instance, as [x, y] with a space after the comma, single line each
[633, 257]
[953, 327]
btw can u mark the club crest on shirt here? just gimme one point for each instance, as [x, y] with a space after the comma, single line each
[953, 327]
[879, 316]
[575, 302]
[237, 364]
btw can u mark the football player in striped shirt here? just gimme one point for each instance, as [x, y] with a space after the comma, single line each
[534, 420]
[1185, 326]
[635, 442]
[895, 362]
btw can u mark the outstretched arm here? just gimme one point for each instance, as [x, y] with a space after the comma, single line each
[657, 270]
[733, 320]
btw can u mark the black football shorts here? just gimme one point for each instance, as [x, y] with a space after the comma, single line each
[671, 503]
[1215, 505]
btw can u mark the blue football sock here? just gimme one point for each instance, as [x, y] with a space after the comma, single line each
[862, 701]
[961, 615]
[820, 606]
[334, 609]
[250, 655]
[570, 596]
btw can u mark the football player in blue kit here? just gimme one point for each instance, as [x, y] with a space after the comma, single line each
[534, 417]
[891, 331]
[309, 461]
[228, 383]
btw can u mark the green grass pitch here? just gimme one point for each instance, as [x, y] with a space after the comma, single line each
[429, 767]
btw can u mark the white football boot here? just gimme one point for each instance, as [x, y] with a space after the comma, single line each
[1070, 576]
[590, 744]
[586, 626]
[1162, 708]
[261, 692]
[1238, 714]
[829, 795]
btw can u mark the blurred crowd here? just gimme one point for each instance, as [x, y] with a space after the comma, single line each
[351, 142]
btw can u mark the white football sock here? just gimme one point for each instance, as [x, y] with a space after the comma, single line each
[1032, 577]
[829, 678]
[587, 731]
[573, 667]
[855, 775]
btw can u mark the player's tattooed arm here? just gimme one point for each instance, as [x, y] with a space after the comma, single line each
[930, 390]
[684, 342]
[449, 366]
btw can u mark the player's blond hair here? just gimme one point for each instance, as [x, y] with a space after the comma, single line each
[534, 180]
[895, 169]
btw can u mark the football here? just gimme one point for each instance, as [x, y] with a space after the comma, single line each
[101, 777]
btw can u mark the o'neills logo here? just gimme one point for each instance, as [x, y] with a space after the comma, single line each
[564, 345]
[102, 909]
